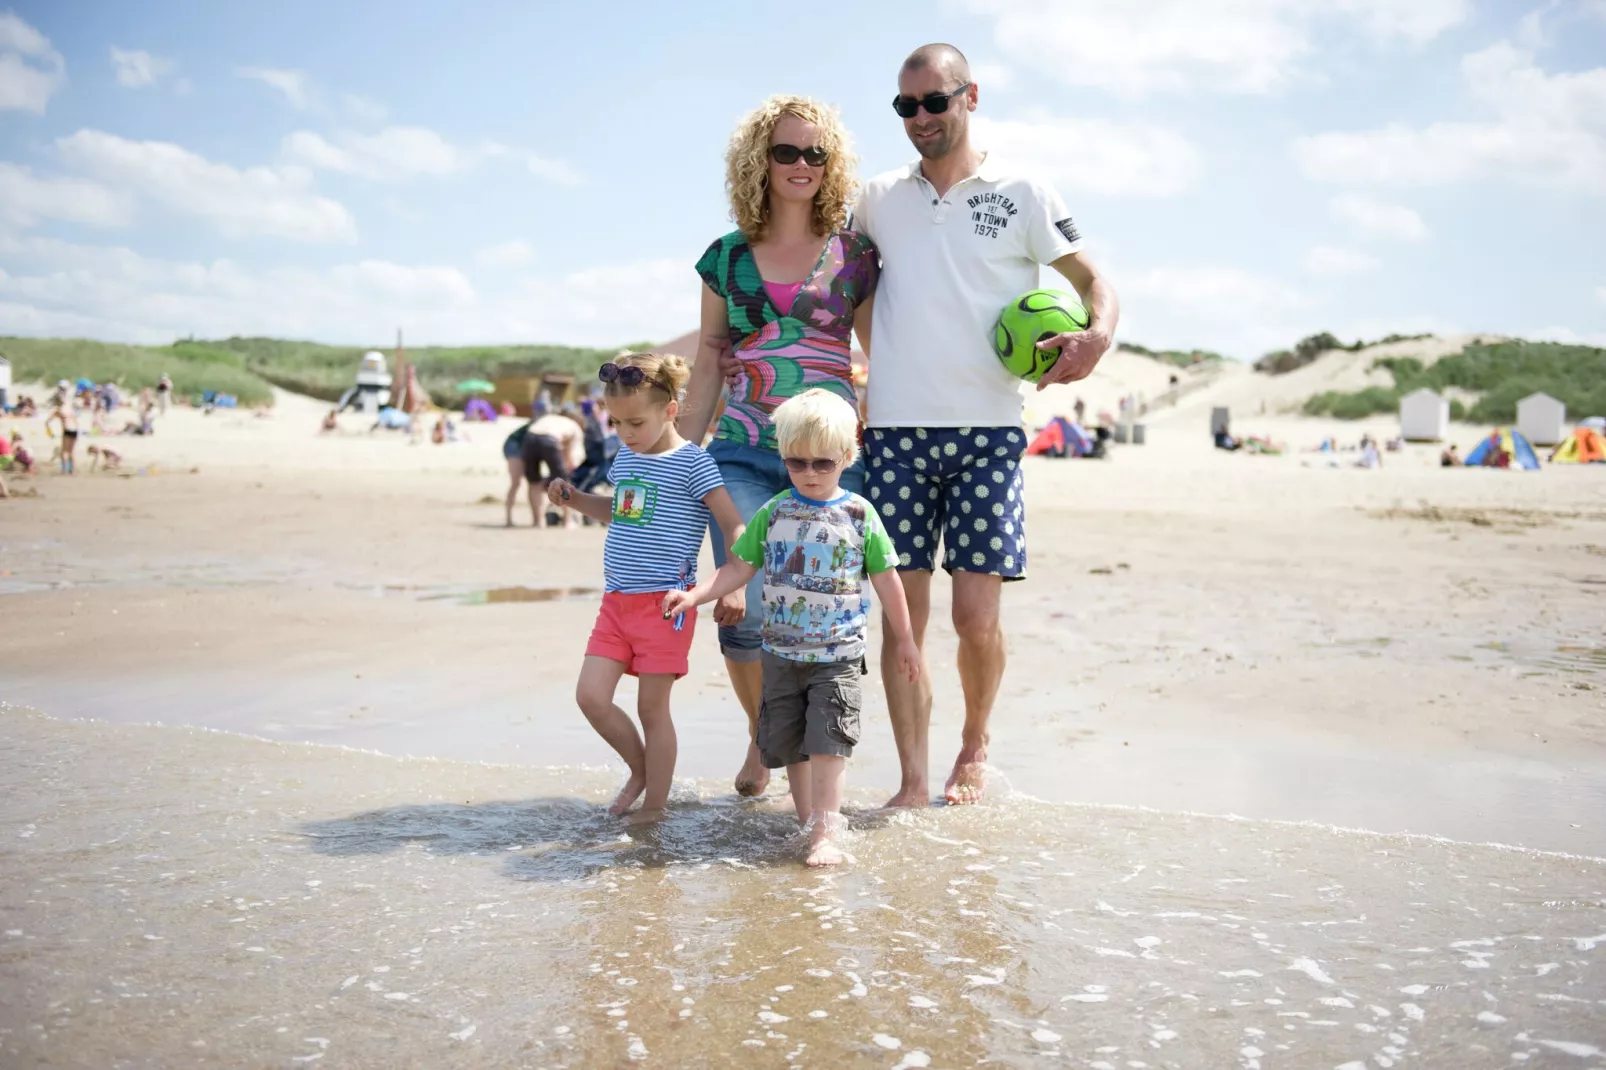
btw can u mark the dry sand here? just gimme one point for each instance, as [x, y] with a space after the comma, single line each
[1408, 649]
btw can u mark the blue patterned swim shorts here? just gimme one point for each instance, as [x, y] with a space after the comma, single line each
[960, 483]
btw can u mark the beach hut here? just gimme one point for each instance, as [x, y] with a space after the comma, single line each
[1424, 416]
[1542, 419]
[5, 383]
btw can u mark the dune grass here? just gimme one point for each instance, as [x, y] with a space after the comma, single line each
[193, 369]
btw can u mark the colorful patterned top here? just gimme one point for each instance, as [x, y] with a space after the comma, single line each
[815, 557]
[787, 351]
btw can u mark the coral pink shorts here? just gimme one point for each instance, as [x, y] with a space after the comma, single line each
[631, 630]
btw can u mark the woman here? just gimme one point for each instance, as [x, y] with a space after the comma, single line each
[784, 291]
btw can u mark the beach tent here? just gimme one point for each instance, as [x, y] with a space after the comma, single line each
[1424, 416]
[1061, 438]
[1584, 446]
[1542, 419]
[1504, 448]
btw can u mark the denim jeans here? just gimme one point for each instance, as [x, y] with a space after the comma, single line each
[753, 476]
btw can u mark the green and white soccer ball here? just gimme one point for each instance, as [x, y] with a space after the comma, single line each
[1027, 320]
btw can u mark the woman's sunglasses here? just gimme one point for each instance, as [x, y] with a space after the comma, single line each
[629, 376]
[820, 465]
[814, 156]
[934, 103]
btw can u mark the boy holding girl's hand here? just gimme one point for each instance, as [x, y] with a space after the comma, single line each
[815, 544]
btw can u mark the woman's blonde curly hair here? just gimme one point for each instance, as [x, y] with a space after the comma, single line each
[747, 166]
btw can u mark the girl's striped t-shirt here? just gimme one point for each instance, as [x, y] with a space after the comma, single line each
[659, 518]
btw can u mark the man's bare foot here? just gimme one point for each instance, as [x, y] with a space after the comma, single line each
[753, 777]
[910, 798]
[647, 815]
[968, 782]
[628, 794]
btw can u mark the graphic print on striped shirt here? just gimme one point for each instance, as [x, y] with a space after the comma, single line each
[659, 518]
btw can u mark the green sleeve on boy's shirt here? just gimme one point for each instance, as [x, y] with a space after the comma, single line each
[879, 553]
[749, 545]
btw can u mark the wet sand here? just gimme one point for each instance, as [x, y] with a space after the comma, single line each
[1407, 652]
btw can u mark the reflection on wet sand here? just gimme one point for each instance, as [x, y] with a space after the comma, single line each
[180, 896]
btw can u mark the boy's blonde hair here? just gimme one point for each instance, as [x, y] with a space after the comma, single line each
[666, 376]
[817, 423]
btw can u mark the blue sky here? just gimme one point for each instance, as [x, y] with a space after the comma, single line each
[1247, 171]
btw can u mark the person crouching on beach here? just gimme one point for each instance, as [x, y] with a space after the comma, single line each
[665, 490]
[815, 544]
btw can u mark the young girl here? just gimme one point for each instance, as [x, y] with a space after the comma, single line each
[665, 490]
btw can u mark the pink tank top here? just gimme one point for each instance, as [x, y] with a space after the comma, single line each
[783, 294]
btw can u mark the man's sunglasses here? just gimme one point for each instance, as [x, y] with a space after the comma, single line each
[821, 465]
[934, 103]
[814, 156]
[629, 376]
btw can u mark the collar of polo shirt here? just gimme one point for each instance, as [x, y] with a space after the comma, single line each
[987, 171]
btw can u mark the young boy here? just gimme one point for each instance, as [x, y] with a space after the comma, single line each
[815, 544]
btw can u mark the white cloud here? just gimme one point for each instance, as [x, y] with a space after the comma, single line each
[991, 75]
[1600, 294]
[1094, 155]
[26, 200]
[1379, 217]
[363, 109]
[507, 255]
[30, 70]
[278, 202]
[135, 68]
[293, 84]
[1547, 129]
[1236, 46]
[1328, 260]
[399, 152]
[56, 287]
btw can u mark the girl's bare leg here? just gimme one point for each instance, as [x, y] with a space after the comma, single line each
[599, 678]
[652, 705]
[828, 776]
[515, 475]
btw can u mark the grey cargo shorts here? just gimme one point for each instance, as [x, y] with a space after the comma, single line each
[809, 708]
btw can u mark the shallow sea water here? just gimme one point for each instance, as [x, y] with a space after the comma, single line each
[179, 897]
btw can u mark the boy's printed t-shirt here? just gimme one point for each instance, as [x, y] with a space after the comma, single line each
[814, 556]
[659, 518]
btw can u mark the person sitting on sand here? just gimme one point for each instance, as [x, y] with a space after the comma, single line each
[809, 717]
[1449, 458]
[437, 434]
[331, 422]
[665, 491]
[21, 459]
[104, 456]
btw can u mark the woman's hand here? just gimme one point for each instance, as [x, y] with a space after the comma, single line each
[558, 491]
[729, 611]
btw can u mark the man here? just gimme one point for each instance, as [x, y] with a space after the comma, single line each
[960, 235]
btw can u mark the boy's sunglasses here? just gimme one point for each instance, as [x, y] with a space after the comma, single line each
[628, 375]
[934, 103]
[814, 156]
[820, 465]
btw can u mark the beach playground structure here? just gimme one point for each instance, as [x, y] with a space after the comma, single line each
[372, 388]
[1504, 448]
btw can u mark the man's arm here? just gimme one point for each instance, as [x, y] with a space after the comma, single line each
[702, 391]
[1080, 350]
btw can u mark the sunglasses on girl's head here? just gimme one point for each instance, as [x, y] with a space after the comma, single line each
[934, 103]
[626, 375]
[814, 156]
[820, 465]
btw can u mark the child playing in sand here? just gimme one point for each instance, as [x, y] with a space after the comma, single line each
[815, 544]
[68, 419]
[665, 488]
[104, 456]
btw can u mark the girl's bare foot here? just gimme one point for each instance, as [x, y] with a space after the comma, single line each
[628, 794]
[647, 815]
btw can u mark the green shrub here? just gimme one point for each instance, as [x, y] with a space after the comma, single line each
[1353, 406]
[132, 368]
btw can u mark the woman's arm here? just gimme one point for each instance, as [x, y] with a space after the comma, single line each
[861, 323]
[702, 391]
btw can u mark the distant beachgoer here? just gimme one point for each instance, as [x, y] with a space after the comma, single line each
[513, 453]
[331, 422]
[1080, 409]
[104, 456]
[21, 458]
[164, 390]
[1449, 458]
[68, 420]
[1370, 457]
[665, 491]
[536, 459]
[437, 434]
[595, 439]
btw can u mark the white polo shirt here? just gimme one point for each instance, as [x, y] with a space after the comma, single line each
[949, 265]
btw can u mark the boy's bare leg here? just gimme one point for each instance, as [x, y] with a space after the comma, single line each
[747, 680]
[981, 669]
[799, 775]
[599, 677]
[909, 704]
[661, 746]
[828, 776]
